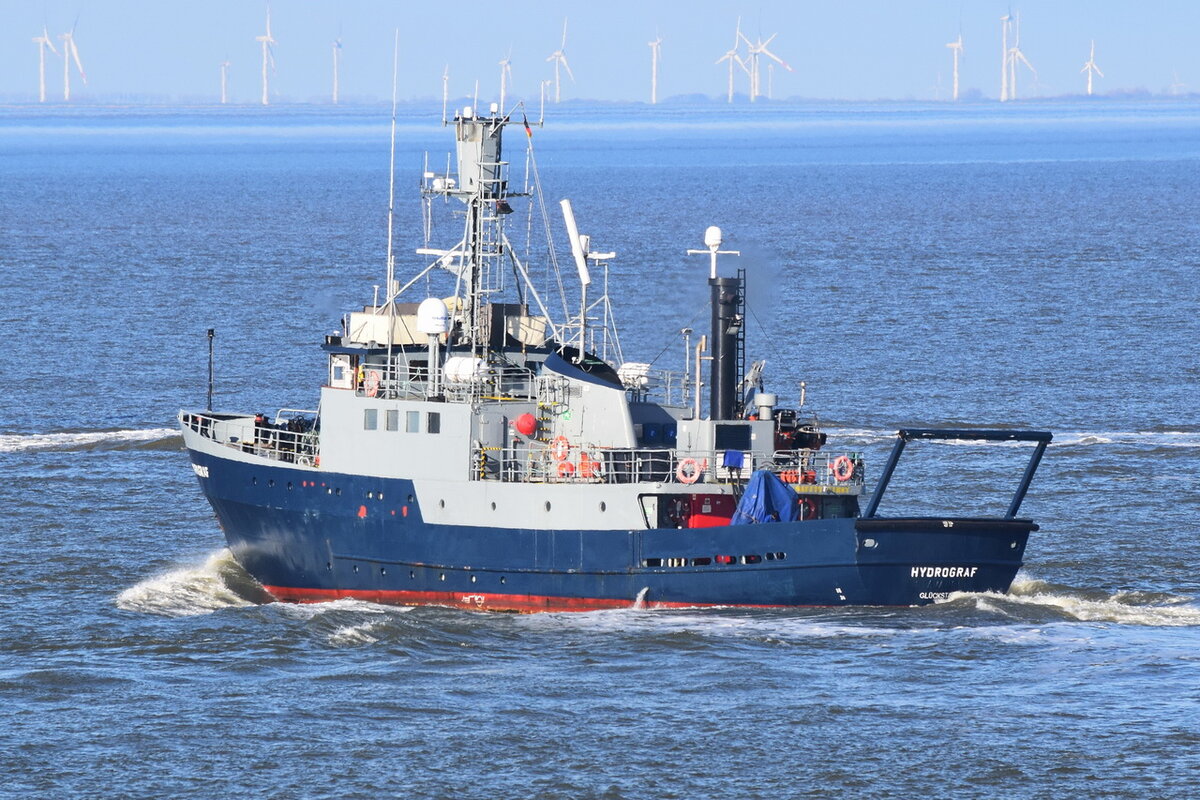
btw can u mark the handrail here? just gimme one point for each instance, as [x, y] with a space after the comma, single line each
[295, 441]
[585, 463]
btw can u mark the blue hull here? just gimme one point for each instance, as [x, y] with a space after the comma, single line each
[304, 540]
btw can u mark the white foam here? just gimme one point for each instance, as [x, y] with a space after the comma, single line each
[30, 442]
[1122, 608]
[309, 611]
[186, 592]
[709, 621]
[351, 635]
[1135, 438]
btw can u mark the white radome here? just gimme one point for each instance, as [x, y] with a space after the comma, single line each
[712, 237]
[433, 318]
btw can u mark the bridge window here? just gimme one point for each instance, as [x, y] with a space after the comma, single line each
[393, 419]
[433, 422]
[412, 421]
[370, 419]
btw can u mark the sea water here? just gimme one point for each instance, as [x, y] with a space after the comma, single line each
[1019, 266]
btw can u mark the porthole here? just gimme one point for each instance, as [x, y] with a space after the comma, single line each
[869, 542]
[337, 491]
[328, 491]
[370, 495]
[254, 481]
[271, 483]
[289, 486]
[412, 499]
[493, 505]
[547, 505]
[383, 570]
[1012, 546]
[356, 567]
[603, 506]
[473, 578]
[441, 576]
[379, 495]
[441, 503]
[329, 566]
[503, 579]
[411, 574]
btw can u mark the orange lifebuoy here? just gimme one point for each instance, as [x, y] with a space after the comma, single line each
[842, 468]
[566, 469]
[371, 384]
[808, 508]
[590, 467]
[690, 470]
[560, 448]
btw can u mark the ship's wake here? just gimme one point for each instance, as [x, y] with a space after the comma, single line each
[1038, 601]
[218, 583]
[71, 441]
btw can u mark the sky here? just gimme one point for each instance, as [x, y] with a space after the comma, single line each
[166, 51]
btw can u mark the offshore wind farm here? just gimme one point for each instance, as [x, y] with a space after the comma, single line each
[198, 202]
[885, 53]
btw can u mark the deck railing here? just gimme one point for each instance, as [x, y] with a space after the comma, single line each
[491, 382]
[585, 464]
[292, 437]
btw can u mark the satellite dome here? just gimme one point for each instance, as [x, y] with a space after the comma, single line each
[433, 318]
[712, 237]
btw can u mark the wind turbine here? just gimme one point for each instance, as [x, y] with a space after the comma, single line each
[337, 53]
[1177, 86]
[224, 82]
[756, 50]
[1014, 56]
[559, 57]
[268, 55]
[1090, 66]
[505, 77]
[654, 56]
[70, 51]
[1005, 24]
[956, 48]
[731, 55]
[43, 42]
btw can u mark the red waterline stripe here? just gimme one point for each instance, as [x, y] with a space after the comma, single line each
[489, 601]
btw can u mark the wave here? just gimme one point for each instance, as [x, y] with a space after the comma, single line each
[69, 441]
[218, 583]
[1038, 601]
[1135, 438]
[1061, 438]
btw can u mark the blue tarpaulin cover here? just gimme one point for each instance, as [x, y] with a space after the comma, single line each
[767, 499]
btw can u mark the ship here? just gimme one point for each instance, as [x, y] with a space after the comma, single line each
[472, 448]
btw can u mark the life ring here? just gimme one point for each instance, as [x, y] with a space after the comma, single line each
[590, 467]
[842, 468]
[566, 469]
[560, 448]
[690, 470]
[371, 383]
[808, 508]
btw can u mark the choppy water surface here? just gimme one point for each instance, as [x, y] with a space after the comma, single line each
[914, 267]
